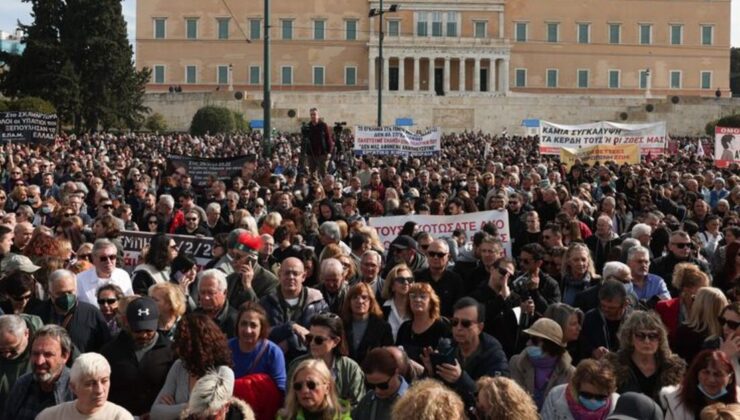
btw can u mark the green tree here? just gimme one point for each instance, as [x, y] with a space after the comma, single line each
[33, 104]
[155, 123]
[212, 119]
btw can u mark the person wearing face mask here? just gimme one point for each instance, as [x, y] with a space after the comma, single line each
[590, 394]
[84, 322]
[710, 379]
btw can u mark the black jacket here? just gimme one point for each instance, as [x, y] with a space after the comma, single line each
[449, 288]
[226, 319]
[500, 319]
[377, 334]
[488, 360]
[663, 266]
[86, 327]
[134, 384]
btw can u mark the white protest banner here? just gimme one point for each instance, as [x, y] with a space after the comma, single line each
[396, 141]
[726, 146]
[651, 137]
[442, 226]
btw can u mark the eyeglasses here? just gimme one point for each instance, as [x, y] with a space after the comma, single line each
[682, 245]
[316, 339]
[107, 258]
[152, 222]
[68, 214]
[730, 324]
[382, 385]
[433, 254]
[191, 219]
[419, 296]
[404, 280]
[647, 336]
[109, 301]
[466, 323]
[107, 206]
[504, 272]
[311, 385]
[591, 396]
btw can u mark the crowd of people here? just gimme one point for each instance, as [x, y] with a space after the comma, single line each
[618, 298]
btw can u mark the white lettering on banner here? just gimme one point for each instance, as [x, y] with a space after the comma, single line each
[651, 137]
[442, 226]
[396, 141]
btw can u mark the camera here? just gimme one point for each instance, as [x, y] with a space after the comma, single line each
[445, 353]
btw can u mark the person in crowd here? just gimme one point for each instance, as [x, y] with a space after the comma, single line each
[313, 394]
[211, 398]
[226, 262]
[636, 406]
[602, 241]
[363, 322]
[396, 295]
[15, 352]
[710, 379]
[104, 256]
[535, 289]
[370, 266]
[108, 298]
[19, 287]
[200, 346]
[89, 379]
[193, 225]
[249, 281]
[489, 249]
[326, 341]
[404, 249]
[679, 251]
[426, 327]
[687, 279]
[183, 274]
[172, 306]
[570, 320]
[601, 325]
[702, 323]
[332, 284]
[212, 288]
[85, 323]
[47, 384]
[155, 269]
[447, 284]
[720, 411]
[502, 398]
[612, 270]
[644, 362]
[590, 394]
[429, 400]
[647, 287]
[578, 272]
[545, 363]
[729, 341]
[139, 357]
[496, 296]
[385, 386]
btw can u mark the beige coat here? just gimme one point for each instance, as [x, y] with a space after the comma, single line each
[522, 372]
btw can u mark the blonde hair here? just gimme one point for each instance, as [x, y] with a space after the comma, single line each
[390, 278]
[705, 311]
[720, 411]
[578, 246]
[506, 399]
[174, 295]
[428, 399]
[331, 406]
[688, 275]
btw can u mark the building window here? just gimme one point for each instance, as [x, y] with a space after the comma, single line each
[222, 75]
[582, 78]
[479, 29]
[584, 30]
[707, 34]
[350, 76]
[191, 74]
[520, 79]
[254, 75]
[318, 76]
[422, 19]
[160, 28]
[675, 79]
[318, 30]
[191, 28]
[394, 28]
[286, 75]
[158, 74]
[451, 23]
[437, 24]
[520, 30]
[643, 79]
[613, 79]
[646, 34]
[350, 27]
[255, 28]
[552, 78]
[706, 80]
[552, 32]
[615, 33]
[676, 34]
[223, 28]
[287, 28]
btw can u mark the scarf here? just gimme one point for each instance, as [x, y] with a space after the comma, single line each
[543, 368]
[579, 412]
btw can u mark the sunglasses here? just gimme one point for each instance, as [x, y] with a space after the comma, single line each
[504, 272]
[682, 245]
[110, 301]
[437, 254]
[404, 280]
[191, 219]
[382, 385]
[107, 206]
[68, 214]
[316, 339]
[466, 323]
[311, 385]
[647, 336]
[107, 258]
[591, 396]
[152, 222]
[730, 324]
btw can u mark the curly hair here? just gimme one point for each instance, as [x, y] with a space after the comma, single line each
[428, 399]
[43, 245]
[687, 275]
[644, 321]
[200, 344]
[506, 399]
[433, 299]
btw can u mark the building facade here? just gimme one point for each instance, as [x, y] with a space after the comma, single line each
[485, 47]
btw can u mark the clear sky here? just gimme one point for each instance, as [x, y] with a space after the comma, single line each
[13, 10]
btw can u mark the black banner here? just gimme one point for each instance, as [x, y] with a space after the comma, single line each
[27, 127]
[201, 170]
[200, 247]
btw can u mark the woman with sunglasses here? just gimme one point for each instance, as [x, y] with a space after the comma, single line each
[426, 326]
[589, 394]
[108, 296]
[644, 362]
[709, 380]
[326, 341]
[702, 323]
[363, 321]
[312, 394]
[396, 294]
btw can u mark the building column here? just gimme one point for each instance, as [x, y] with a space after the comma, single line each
[371, 74]
[476, 74]
[492, 75]
[431, 75]
[386, 72]
[401, 74]
[416, 73]
[446, 76]
[461, 77]
[504, 76]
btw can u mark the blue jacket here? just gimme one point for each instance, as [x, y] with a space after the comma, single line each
[23, 403]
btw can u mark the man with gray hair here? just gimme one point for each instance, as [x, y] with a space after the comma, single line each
[642, 232]
[169, 218]
[104, 271]
[15, 353]
[48, 382]
[602, 241]
[329, 233]
[212, 300]
[332, 285]
[649, 288]
[446, 283]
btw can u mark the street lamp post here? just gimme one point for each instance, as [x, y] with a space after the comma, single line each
[266, 105]
[379, 12]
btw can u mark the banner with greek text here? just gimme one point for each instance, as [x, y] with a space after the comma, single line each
[726, 146]
[396, 141]
[651, 138]
[625, 153]
[28, 127]
[200, 247]
[442, 226]
[202, 170]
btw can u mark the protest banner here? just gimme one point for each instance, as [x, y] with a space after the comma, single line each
[201, 170]
[396, 141]
[134, 242]
[27, 127]
[442, 226]
[726, 146]
[650, 137]
[625, 153]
